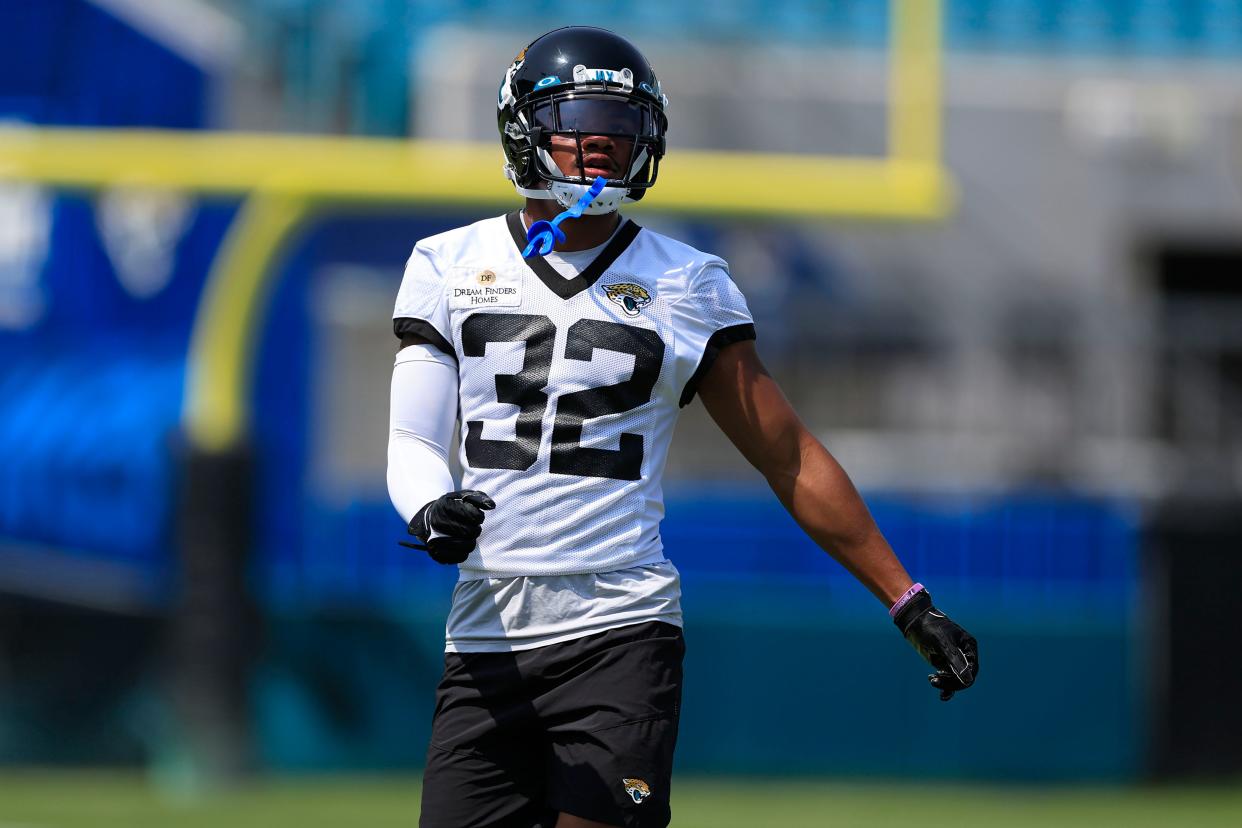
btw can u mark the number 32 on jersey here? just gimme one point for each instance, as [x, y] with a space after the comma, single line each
[526, 390]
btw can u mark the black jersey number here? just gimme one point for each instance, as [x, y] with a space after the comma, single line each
[523, 389]
[526, 390]
[624, 463]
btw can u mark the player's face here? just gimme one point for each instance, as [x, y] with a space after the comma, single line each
[606, 128]
[604, 155]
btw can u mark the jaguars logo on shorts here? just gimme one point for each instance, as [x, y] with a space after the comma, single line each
[637, 789]
[631, 297]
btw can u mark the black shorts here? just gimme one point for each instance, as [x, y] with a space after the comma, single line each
[586, 727]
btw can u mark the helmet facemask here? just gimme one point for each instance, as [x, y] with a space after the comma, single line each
[621, 120]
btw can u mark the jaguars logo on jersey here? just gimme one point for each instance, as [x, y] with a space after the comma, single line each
[637, 789]
[631, 297]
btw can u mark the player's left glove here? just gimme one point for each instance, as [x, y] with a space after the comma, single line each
[948, 648]
[450, 525]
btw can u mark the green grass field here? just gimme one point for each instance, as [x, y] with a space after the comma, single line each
[43, 799]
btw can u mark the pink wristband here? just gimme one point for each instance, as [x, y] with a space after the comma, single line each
[905, 599]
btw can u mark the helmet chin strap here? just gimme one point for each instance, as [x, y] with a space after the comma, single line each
[568, 195]
[609, 201]
[546, 194]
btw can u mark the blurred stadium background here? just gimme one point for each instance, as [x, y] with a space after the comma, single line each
[994, 249]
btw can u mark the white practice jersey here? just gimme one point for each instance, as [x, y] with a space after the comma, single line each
[569, 388]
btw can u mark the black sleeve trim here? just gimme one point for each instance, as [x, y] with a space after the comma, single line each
[721, 338]
[405, 326]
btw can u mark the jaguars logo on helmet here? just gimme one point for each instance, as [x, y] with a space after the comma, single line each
[573, 81]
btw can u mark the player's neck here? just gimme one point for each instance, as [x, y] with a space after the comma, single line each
[581, 233]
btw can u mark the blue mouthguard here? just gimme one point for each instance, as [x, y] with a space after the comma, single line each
[546, 234]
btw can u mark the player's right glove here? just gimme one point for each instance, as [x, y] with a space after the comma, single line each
[450, 525]
[948, 648]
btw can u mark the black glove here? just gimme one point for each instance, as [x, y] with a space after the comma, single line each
[946, 646]
[456, 519]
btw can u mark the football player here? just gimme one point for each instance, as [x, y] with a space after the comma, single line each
[562, 682]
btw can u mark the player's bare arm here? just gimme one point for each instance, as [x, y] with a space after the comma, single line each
[748, 405]
[750, 408]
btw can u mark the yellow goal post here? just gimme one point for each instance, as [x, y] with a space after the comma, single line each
[283, 178]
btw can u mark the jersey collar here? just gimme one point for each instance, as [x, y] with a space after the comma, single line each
[558, 284]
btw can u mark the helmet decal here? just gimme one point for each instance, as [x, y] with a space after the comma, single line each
[655, 92]
[506, 97]
[584, 75]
